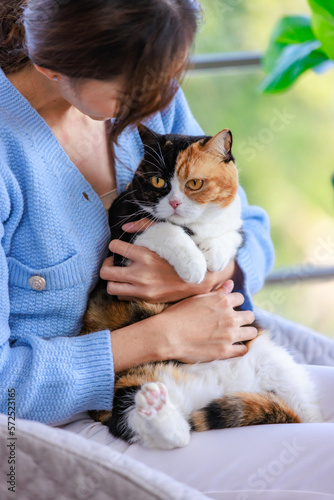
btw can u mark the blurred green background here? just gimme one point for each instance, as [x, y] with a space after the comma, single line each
[283, 145]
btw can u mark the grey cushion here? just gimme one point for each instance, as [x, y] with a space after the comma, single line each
[306, 346]
[54, 464]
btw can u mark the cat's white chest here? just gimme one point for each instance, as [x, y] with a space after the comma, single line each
[214, 242]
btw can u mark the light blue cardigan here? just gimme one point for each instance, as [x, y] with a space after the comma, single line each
[53, 225]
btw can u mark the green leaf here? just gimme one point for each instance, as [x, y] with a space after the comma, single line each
[322, 7]
[323, 24]
[293, 61]
[290, 29]
[293, 29]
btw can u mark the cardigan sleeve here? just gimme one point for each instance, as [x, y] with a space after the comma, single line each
[256, 257]
[52, 378]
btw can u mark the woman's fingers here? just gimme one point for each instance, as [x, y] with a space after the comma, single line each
[227, 286]
[235, 299]
[247, 333]
[122, 248]
[109, 262]
[236, 350]
[132, 252]
[109, 272]
[246, 317]
[120, 289]
[137, 226]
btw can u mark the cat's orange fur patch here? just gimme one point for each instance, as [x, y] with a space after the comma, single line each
[265, 409]
[202, 163]
[136, 376]
[198, 421]
[100, 416]
[103, 315]
[150, 372]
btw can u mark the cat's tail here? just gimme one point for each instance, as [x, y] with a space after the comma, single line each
[241, 409]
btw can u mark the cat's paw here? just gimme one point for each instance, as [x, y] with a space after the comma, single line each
[215, 257]
[156, 421]
[172, 244]
[151, 399]
[190, 265]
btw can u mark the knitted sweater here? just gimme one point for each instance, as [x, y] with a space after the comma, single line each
[53, 226]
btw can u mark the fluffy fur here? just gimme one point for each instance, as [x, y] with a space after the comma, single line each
[188, 186]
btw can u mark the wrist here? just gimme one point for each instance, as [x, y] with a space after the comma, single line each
[138, 343]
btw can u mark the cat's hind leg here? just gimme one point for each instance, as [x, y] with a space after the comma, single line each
[156, 420]
[286, 378]
[293, 384]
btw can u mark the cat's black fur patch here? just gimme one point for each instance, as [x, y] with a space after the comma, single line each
[123, 399]
[186, 229]
[220, 414]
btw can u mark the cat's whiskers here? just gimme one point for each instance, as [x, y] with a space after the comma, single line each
[157, 167]
[152, 172]
[155, 219]
[158, 157]
[162, 156]
[148, 203]
[189, 154]
[154, 151]
[135, 214]
[125, 194]
[158, 170]
[128, 217]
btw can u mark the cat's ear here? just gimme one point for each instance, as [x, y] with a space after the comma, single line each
[148, 136]
[222, 143]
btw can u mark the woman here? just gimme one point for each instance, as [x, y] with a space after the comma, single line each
[67, 69]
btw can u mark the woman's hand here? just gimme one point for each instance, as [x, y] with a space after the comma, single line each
[198, 329]
[207, 327]
[152, 278]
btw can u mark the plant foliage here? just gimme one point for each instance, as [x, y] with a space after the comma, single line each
[297, 44]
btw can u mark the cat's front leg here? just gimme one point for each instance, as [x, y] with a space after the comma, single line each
[219, 251]
[172, 244]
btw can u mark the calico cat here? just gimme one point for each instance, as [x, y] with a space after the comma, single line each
[188, 186]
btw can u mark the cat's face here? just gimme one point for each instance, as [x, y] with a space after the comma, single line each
[182, 179]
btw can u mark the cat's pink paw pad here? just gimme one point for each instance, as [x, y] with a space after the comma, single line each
[151, 399]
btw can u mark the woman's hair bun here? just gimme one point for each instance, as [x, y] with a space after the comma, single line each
[13, 55]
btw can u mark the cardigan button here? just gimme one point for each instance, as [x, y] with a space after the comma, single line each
[37, 283]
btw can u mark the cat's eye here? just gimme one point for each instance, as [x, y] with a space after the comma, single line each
[195, 184]
[158, 182]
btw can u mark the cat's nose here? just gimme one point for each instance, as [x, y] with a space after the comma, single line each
[174, 203]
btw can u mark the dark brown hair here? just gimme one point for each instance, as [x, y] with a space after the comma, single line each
[146, 42]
